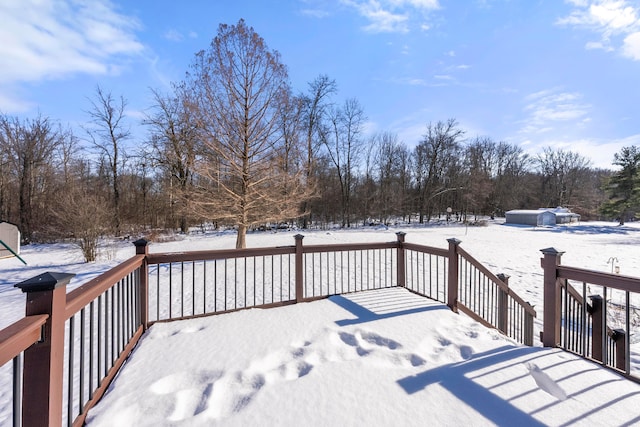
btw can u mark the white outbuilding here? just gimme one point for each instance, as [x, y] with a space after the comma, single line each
[542, 216]
[10, 238]
[563, 215]
[533, 217]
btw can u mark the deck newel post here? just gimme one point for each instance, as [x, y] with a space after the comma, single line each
[503, 304]
[299, 269]
[528, 328]
[619, 337]
[142, 248]
[597, 330]
[551, 318]
[44, 361]
[401, 267]
[452, 275]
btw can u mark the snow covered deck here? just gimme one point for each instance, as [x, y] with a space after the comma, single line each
[375, 358]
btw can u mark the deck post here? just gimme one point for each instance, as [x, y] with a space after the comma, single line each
[401, 267]
[598, 343]
[619, 337]
[503, 304]
[142, 248]
[299, 269]
[552, 300]
[44, 360]
[528, 329]
[452, 275]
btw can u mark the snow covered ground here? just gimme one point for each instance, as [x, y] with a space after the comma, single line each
[361, 359]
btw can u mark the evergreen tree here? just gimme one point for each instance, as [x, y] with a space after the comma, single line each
[623, 187]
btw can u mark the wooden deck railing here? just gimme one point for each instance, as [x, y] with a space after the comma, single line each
[590, 313]
[70, 345]
[75, 343]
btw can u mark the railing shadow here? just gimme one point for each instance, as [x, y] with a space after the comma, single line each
[459, 380]
[453, 377]
[382, 304]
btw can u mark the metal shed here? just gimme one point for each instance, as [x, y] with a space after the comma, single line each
[535, 217]
[563, 215]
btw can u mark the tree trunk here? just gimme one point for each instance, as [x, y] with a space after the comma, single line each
[241, 240]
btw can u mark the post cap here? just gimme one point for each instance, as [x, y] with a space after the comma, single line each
[45, 282]
[298, 237]
[141, 242]
[551, 251]
[454, 241]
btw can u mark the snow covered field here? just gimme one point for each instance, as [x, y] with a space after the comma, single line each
[361, 359]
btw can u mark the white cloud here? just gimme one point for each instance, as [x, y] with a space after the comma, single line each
[136, 114]
[13, 104]
[607, 16]
[49, 39]
[392, 16]
[418, 4]
[597, 45]
[631, 46]
[174, 35]
[316, 13]
[599, 151]
[610, 19]
[582, 3]
[547, 108]
[383, 21]
[411, 81]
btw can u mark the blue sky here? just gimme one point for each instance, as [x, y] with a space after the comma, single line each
[536, 73]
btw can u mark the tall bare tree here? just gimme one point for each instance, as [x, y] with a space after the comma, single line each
[344, 143]
[108, 133]
[561, 172]
[173, 150]
[32, 146]
[315, 105]
[237, 89]
[436, 163]
[390, 158]
[512, 167]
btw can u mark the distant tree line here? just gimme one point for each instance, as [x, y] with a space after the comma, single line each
[233, 145]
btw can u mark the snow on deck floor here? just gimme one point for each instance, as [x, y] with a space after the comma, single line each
[377, 358]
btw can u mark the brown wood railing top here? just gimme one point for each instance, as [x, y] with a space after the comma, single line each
[83, 295]
[528, 308]
[167, 257]
[617, 281]
[428, 249]
[20, 335]
[343, 247]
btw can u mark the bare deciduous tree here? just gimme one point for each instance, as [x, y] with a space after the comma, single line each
[344, 143]
[31, 146]
[314, 112]
[84, 213]
[390, 159]
[237, 90]
[173, 150]
[436, 158]
[108, 133]
[561, 172]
